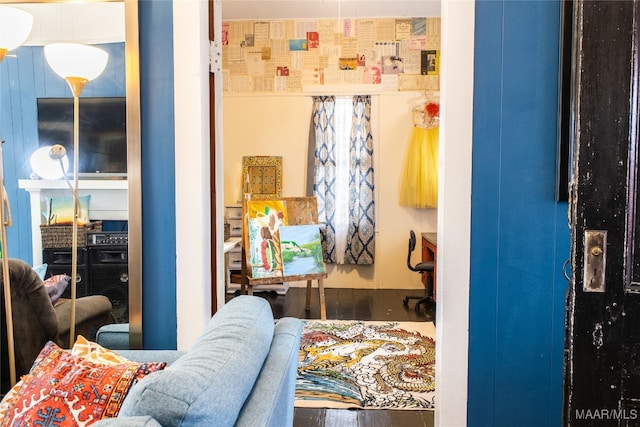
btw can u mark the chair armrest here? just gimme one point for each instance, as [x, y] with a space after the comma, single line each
[91, 312]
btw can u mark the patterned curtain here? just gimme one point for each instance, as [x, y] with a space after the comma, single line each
[324, 147]
[343, 179]
[361, 231]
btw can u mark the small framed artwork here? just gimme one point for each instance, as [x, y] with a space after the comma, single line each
[262, 176]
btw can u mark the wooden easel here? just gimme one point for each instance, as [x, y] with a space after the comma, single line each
[303, 210]
[276, 280]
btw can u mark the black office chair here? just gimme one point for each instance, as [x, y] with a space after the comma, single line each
[427, 267]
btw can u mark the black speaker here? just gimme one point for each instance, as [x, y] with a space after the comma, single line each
[110, 277]
[59, 262]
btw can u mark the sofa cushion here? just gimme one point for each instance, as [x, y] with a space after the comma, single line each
[67, 390]
[41, 269]
[209, 384]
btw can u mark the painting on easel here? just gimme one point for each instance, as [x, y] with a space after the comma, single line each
[301, 250]
[264, 218]
[281, 242]
[270, 256]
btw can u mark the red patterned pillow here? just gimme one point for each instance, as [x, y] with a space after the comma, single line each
[62, 389]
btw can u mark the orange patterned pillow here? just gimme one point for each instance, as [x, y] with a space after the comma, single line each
[8, 399]
[62, 389]
[88, 350]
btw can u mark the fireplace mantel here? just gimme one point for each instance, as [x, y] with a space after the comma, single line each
[109, 201]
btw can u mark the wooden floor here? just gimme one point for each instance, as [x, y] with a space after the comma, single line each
[353, 304]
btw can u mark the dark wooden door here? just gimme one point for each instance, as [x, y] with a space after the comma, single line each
[602, 363]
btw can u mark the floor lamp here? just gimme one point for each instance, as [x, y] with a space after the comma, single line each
[15, 27]
[77, 64]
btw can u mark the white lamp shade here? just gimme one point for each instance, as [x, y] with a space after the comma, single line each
[76, 60]
[45, 167]
[15, 27]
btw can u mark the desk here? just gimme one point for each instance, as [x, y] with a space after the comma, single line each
[429, 253]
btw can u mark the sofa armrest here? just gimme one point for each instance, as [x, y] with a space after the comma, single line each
[114, 336]
[34, 319]
[271, 400]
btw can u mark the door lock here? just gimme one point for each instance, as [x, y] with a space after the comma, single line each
[595, 257]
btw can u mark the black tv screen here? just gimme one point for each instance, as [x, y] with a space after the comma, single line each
[102, 132]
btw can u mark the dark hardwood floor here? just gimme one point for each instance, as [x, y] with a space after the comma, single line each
[353, 304]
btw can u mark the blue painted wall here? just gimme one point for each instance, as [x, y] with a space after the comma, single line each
[24, 78]
[159, 322]
[519, 233]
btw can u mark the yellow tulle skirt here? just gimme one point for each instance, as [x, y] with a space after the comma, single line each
[419, 183]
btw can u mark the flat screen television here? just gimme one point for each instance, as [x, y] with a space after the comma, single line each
[102, 133]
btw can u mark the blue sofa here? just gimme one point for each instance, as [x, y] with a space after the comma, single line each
[240, 372]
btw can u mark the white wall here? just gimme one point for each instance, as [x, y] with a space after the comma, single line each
[193, 225]
[278, 125]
